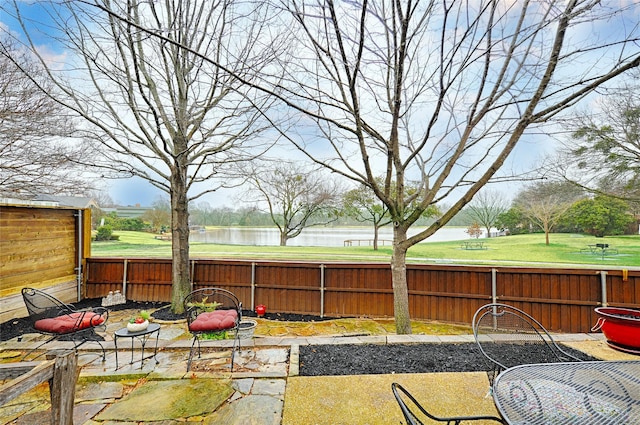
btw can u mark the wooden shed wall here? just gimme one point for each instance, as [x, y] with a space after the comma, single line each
[39, 249]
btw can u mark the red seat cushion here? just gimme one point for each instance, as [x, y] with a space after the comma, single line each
[68, 323]
[217, 320]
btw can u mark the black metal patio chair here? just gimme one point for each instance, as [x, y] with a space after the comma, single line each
[212, 310]
[507, 336]
[412, 410]
[50, 316]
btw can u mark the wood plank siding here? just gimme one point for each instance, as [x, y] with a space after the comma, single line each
[562, 299]
[39, 249]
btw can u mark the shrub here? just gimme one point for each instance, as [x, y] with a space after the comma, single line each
[104, 233]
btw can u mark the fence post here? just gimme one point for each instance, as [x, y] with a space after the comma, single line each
[192, 273]
[322, 266]
[124, 278]
[62, 388]
[603, 285]
[494, 285]
[253, 285]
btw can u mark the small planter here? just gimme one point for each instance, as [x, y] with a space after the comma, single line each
[137, 327]
[246, 328]
[214, 336]
[621, 327]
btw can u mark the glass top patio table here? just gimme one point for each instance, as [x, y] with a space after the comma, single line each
[597, 393]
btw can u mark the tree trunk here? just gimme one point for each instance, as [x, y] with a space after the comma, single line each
[376, 229]
[181, 282]
[283, 238]
[399, 282]
[547, 229]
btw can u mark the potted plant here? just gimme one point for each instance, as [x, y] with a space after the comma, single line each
[139, 323]
[246, 328]
[204, 305]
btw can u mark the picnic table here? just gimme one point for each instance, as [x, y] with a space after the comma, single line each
[600, 249]
[475, 244]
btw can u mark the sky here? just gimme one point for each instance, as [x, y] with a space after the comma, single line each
[132, 191]
[137, 191]
[129, 192]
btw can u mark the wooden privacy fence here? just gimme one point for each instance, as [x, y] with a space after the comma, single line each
[562, 299]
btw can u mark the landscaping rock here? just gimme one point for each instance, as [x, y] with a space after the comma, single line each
[170, 400]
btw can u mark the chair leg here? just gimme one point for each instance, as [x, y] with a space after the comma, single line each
[493, 374]
[236, 339]
[86, 339]
[75, 347]
[195, 338]
[104, 353]
[34, 349]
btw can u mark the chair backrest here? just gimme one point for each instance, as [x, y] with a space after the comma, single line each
[405, 399]
[210, 299]
[509, 337]
[42, 305]
[412, 410]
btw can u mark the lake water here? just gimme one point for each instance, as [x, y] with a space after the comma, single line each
[315, 236]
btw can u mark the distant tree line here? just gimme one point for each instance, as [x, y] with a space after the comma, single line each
[543, 207]
[556, 206]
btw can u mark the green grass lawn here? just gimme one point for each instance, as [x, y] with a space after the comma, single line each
[508, 250]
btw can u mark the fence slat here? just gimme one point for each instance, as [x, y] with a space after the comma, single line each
[562, 299]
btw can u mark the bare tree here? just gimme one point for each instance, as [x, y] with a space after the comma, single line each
[201, 213]
[159, 216]
[438, 94]
[603, 154]
[363, 205]
[155, 109]
[544, 203]
[36, 156]
[486, 207]
[102, 198]
[295, 196]
[474, 230]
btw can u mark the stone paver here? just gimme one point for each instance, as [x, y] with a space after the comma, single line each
[81, 414]
[264, 388]
[254, 410]
[98, 391]
[162, 400]
[243, 385]
[273, 387]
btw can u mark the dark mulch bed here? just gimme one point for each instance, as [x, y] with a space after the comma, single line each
[369, 359]
[17, 327]
[166, 314]
[339, 359]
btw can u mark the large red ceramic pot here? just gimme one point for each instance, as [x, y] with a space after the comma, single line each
[621, 327]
